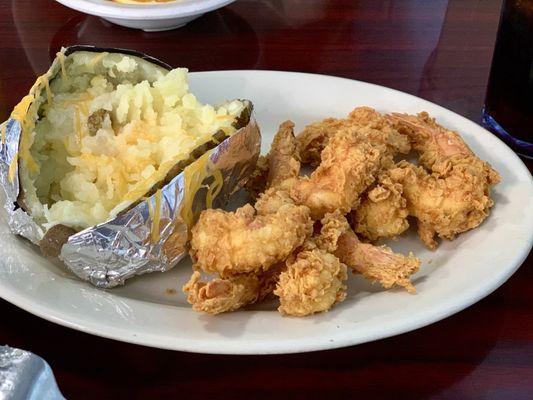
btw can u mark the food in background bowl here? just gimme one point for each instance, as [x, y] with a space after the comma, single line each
[143, 1]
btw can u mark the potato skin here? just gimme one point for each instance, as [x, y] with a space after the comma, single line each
[54, 239]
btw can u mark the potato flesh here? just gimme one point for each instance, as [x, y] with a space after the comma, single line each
[103, 143]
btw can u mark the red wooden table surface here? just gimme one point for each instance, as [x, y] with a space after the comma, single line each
[439, 50]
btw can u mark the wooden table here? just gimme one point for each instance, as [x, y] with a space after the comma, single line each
[439, 50]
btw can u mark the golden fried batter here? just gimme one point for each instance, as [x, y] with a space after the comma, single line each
[315, 137]
[230, 243]
[349, 166]
[223, 295]
[377, 263]
[382, 212]
[377, 131]
[283, 156]
[312, 283]
[443, 206]
[456, 196]
[333, 226]
[281, 163]
[296, 242]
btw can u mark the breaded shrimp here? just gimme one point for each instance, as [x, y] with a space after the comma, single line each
[376, 129]
[375, 263]
[283, 156]
[312, 283]
[281, 163]
[223, 295]
[382, 212]
[349, 166]
[230, 243]
[443, 206]
[333, 225]
[315, 137]
[455, 197]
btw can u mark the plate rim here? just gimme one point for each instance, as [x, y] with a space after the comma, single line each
[290, 346]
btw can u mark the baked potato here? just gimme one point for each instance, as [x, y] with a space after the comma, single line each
[105, 130]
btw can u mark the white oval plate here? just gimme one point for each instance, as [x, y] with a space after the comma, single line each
[151, 309]
[148, 17]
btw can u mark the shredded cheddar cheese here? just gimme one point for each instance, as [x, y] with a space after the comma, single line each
[194, 177]
[98, 58]
[61, 57]
[21, 109]
[49, 94]
[108, 131]
[155, 216]
[13, 168]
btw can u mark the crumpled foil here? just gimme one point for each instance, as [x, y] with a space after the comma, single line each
[23, 375]
[108, 254]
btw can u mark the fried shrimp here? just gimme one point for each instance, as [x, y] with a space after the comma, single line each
[376, 129]
[315, 137]
[348, 167]
[222, 295]
[230, 243]
[333, 225]
[375, 263]
[382, 212]
[302, 234]
[283, 156]
[229, 294]
[281, 163]
[455, 197]
[443, 206]
[312, 283]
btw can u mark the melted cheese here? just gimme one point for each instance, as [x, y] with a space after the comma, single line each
[101, 145]
[49, 94]
[214, 189]
[4, 129]
[98, 58]
[20, 113]
[155, 216]
[61, 57]
[21, 109]
[194, 176]
[13, 168]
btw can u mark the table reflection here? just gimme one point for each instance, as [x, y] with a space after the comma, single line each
[225, 27]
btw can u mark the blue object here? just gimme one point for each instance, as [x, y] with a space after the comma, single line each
[520, 146]
[25, 376]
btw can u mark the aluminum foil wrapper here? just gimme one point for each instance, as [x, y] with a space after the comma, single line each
[112, 252]
[23, 375]
[19, 222]
[135, 242]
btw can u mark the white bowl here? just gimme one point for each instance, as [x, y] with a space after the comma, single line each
[148, 17]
